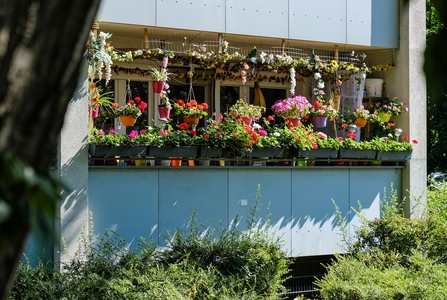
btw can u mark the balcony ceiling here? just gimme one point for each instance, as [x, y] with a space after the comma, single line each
[182, 39]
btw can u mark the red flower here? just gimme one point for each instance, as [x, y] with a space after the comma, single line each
[137, 99]
[415, 142]
[142, 105]
[192, 103]
[115, 104]
[206, 136]
[270, 118]
[193, 132]
[314, 146]
[94, 100]
[405, 138]
[255, 137]
[205, 105]
[213, 114]
[131, 102]
[181, 102]
[235, 134]
[344, 125]
[183, 126]
[391, 124]
[200, 107]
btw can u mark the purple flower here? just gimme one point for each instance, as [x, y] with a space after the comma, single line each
[133, 134]
[262, 132]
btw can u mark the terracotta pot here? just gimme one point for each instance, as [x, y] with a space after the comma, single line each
[158, 86]
[191, 120]
[128, 120]
[293, 121]
[176, 162]
[360, 122]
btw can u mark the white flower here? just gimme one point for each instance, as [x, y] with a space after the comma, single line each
[256, 126]
[317, 76]
[276, 134]
[320, 85]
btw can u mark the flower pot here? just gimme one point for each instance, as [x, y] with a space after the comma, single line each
[158, 86]
[394, 155]
[293, 122]
[104, 150]
[193, 121]
[165, 162]
[265, 152]
[319, 153]
[204, 162]
[93, 111]
[205, 152]
[357, 153]
[140, 162]
[385, 117]
[128, 120]
[164, 112]
[177, 162]
[360, 122]
[319, 121]
[165, 151]
[247, 120]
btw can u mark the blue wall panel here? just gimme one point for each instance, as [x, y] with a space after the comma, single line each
[275, 189]
[315, 222]
[125, 201]
[359, 19]
[134, 200]
[385, 23]
[184, 190]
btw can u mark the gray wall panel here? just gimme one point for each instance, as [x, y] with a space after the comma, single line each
[318, 20]
[359, 18]
[138, 12]
[258, 18]
[206, 15]
[385, 23]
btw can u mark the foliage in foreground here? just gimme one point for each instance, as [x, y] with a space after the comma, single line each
[211, 264]
[394, 257]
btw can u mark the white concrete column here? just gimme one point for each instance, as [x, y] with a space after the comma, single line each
[411, 86]
[73, 170]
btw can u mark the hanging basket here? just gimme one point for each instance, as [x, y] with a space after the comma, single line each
[128, 120]
[385, 117]
[360, 122]
[193, 121]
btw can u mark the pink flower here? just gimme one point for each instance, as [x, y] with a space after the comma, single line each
[133, 134]
[340, 138]
[321, 135]
[101, 133]
[415, 142]
[405, 138]
[262, 132]
[142, 131]
[112, 131]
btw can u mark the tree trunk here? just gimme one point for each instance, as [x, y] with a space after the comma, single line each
[42, 43]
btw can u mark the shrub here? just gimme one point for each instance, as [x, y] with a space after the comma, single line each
[217, 263]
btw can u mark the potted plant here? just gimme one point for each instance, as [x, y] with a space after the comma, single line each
[320, 112]
[210, 140]
[112, 143]
[291, 109]
[131, 111]
[352, 149]
[388, 108]
[390, 149]
[322, 146]
[190, 112]
[164, 106]
[245, 111]
[178, 142]
[359, 116]
[159, 77]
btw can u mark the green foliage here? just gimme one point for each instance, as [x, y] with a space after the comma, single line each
[395, 257]
[215, 263]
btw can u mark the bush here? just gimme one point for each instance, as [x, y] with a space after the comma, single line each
[217, 263]
[393, 258]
